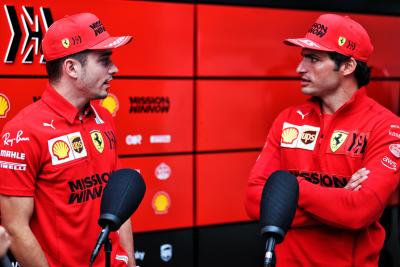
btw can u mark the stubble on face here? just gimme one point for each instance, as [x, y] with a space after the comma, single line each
[97, 74]
[318, 73]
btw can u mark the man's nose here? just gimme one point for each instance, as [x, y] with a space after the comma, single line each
[113, 69]
[301, 68]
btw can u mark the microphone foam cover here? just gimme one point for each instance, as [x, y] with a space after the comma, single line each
[121, 197]
[278, 204]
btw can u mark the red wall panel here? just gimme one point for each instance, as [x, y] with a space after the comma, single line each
[169, 183]
[246, 41]
[221, 181]
[19, 94]
[163, 34]
[386, 93]
[171, 121]
[238, 114]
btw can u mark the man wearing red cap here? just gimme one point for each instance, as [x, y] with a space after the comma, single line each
[57, 155]
[342, 146]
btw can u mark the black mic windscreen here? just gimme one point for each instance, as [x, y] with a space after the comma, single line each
[278, 203]
[121, 197]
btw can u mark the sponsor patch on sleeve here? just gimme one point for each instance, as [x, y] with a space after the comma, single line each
[66, 148]
[395, 150]
[389, 163]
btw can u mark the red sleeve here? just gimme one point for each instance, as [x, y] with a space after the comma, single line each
[19, 161]
[269, 161]
[353, 210]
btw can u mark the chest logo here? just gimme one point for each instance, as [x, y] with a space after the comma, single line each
[299, 136]
[60, 149]
[337, 140]
[308, 137]
[45, 124]
[358, 143]
[98, 140]
[289, 135]
[301, 114]
[77, 144]
[66, 148]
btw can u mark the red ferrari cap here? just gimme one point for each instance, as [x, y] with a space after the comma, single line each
[75, 33]
[334, 33]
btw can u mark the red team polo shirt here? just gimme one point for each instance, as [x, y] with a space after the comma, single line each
[333, 227]
[63, 162]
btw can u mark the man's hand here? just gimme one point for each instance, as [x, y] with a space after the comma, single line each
[354, 184]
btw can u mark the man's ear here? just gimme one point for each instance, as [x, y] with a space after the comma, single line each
[349, 66]
[71, 67]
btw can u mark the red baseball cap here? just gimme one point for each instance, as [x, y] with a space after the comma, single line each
[334, 33]
[75, 33]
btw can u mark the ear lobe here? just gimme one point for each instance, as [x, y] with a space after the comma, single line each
[349, 66]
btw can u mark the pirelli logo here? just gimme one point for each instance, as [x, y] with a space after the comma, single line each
[12, 166]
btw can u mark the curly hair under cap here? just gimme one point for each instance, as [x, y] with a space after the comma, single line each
[362, 72]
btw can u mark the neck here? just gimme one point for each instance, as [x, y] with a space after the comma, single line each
[332, 102]
[69, 92]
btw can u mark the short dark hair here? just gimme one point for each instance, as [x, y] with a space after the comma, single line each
[362, 71]
[53, 67]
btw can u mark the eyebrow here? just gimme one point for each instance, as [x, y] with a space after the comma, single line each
[308, 55]
[106, 53]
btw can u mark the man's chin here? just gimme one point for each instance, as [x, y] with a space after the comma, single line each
[100, 96]
[307, 91]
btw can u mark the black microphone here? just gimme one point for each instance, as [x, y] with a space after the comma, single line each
[278, 206]
[5, 261]
[121, 197]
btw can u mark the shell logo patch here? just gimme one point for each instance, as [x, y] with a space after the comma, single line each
[66, 148]
[97, 140]
[65, 42]
[289, 135]
[161, 202]
[110, 103]
[60, 149]
[337, 140]
[4, 105]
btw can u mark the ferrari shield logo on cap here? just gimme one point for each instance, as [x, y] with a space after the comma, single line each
[341, 41]
[65, 42]
[337, 140]
[98, 140]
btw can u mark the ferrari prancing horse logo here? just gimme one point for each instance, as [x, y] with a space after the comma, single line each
[337, 139]
[97, 140]
[341, 40]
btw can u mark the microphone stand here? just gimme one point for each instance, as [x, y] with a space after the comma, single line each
[270, 259]
[107, 250]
